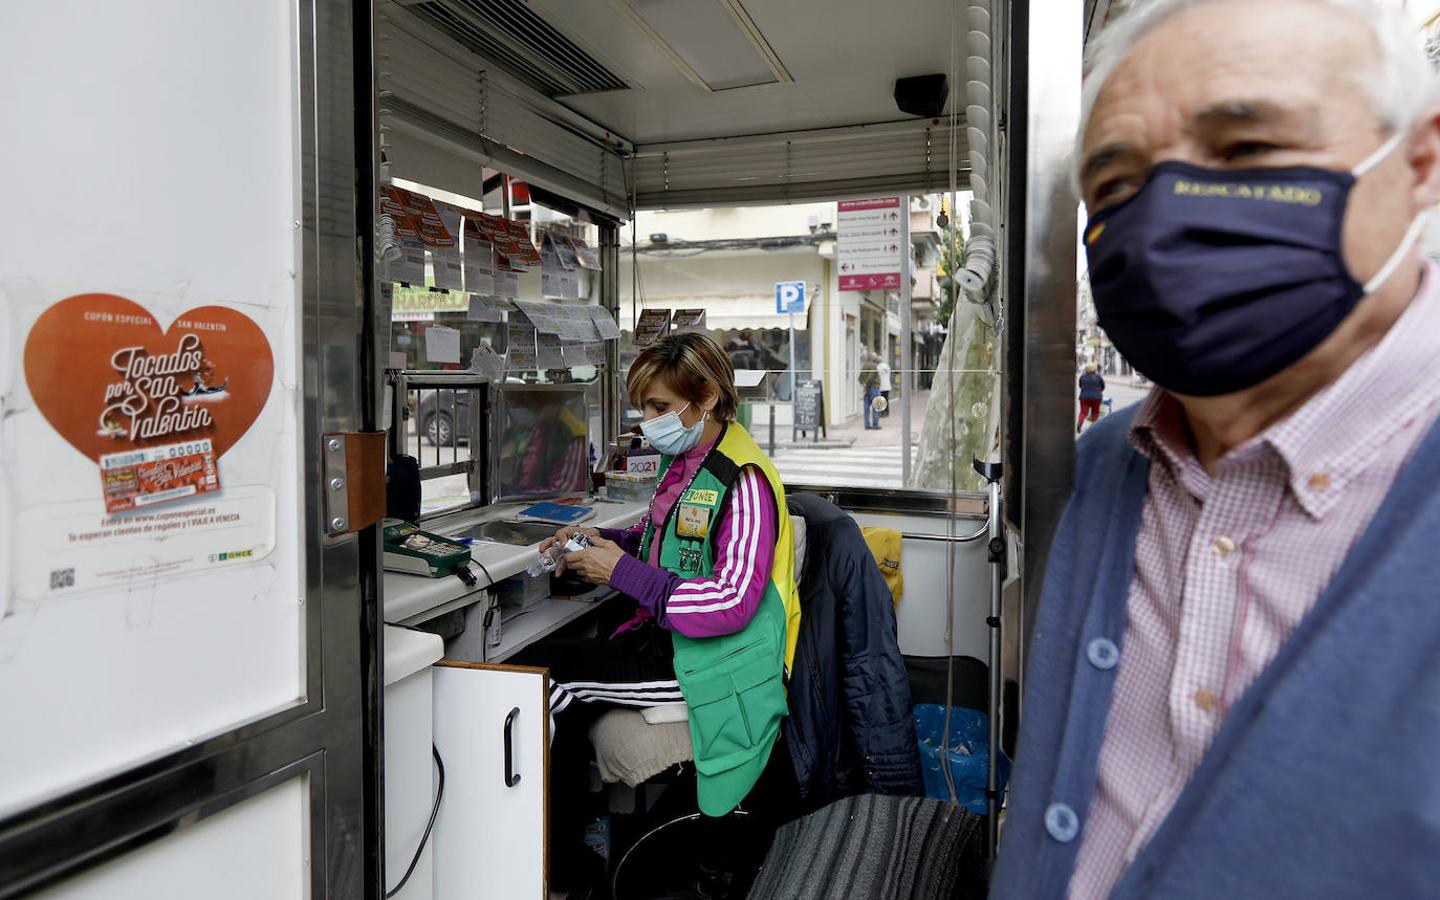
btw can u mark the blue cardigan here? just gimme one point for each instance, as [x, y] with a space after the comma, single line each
[1324, 779]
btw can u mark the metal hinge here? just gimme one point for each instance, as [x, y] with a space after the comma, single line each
[354, 472]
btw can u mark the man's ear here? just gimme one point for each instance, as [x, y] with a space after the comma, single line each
[1424, 160]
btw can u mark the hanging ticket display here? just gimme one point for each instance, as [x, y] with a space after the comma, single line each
[410, 267]
[653, 325]
[587, 256]
[687, 320]
[549, 352]
[479, 258]
[550, 273]
[528, 255]
[565, 250]
[519, 346]
[557, 281]
[605, 323]
[507, 284]
[486, 309]
[445, 254]
[588, 353]
[487, 362]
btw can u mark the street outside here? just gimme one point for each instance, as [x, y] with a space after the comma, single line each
[847, 456]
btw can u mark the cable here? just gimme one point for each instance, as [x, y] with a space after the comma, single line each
[950, 424]
[434, 811]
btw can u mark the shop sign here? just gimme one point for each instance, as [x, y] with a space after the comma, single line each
[869, 249]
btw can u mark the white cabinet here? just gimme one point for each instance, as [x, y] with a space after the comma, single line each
[493, 732]
[410, 774]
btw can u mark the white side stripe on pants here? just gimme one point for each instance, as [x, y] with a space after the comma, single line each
[634, 693]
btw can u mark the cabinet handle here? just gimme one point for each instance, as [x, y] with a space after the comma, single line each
[512, 777]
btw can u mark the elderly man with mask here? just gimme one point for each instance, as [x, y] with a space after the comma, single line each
[1234, 685]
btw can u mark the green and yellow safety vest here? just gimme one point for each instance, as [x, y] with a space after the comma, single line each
[734, 685]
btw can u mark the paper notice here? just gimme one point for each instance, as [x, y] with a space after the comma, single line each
[605, 322]
[442, 345]
[520, 346]
[549, 352]
[507, 284]
[485, 309]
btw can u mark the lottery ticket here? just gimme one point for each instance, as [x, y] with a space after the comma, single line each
[149, 475]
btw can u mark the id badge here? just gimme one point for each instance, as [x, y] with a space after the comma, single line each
[693, 521]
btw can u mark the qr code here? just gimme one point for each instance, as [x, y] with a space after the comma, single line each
[62, 578]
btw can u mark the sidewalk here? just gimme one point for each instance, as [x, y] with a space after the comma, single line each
[889, 434]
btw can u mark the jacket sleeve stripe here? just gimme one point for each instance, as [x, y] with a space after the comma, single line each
[738, 571]
[740, 520]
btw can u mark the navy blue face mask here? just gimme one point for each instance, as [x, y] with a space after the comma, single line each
[1210, 281]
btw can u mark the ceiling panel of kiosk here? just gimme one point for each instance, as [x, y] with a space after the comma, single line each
[670, 76]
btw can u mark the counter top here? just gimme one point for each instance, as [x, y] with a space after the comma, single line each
[410, 599]
[407, 652]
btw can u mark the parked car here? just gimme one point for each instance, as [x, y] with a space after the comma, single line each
[445, 423]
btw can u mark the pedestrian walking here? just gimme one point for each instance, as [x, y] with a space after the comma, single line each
[883, 368]
[1092, 394]
[870, 382]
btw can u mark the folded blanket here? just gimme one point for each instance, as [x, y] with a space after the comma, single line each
[875, 847]
[631, 750]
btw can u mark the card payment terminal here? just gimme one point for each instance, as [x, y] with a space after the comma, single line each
[408, 549]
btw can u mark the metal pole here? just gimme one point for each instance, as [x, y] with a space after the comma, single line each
[906, 379]
[997, 581]
[793, 385]
[611, 392]
[772, 423]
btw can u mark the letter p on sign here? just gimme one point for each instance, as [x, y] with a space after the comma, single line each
[790, 297]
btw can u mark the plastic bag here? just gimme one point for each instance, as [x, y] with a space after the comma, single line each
[968, 754]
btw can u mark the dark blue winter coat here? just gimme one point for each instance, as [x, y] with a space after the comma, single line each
[850, 729]
[1092, 386]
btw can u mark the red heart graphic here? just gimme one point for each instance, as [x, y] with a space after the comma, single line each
[107, 378]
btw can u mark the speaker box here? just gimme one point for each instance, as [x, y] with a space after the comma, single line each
[922, 95]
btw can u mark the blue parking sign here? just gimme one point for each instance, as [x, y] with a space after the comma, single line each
[790, 297]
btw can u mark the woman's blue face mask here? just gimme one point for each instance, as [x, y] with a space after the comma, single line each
[1212, 281]
[669, 435]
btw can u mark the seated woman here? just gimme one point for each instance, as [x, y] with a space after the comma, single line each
[711, 570]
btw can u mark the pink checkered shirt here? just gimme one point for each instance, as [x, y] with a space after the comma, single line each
[1227, 565]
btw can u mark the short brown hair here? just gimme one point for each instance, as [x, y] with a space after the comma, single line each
[693, 365]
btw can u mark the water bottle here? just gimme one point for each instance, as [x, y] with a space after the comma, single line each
[550, 558]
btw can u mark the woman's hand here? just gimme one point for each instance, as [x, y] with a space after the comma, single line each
[596, 564]
[563, 536]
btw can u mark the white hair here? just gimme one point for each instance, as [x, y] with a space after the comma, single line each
[1401, 83]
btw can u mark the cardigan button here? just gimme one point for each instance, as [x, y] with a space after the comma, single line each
[1103, 654]
[1061, 822]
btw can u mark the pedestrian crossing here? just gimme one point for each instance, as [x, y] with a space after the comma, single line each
[870, 467]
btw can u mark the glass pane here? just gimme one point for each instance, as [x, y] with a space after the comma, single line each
[468, 303]
[820, 411]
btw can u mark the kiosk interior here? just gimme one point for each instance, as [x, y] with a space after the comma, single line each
[259, 704]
